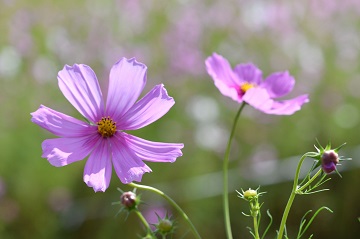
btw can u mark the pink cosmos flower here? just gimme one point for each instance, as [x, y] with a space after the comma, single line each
[103, 138]
[245, 83]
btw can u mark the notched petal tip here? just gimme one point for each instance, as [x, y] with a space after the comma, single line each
[98, 167]
[95, 187]
[126, 81]
[134, 174]
[132, 61]
[227, 82]
[80, 86]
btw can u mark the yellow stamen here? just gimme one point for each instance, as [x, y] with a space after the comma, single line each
[245, 87]
[106, 127]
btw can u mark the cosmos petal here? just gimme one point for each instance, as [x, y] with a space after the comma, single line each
[287, 107]
[128, 166]
[258, 98]
[127, 80]
[249, 73]
[224, 78]
[150, 108]
[279, 84]
[153, 151]
[98, 169]
[60, 124]
[64, 151]
[80, 86]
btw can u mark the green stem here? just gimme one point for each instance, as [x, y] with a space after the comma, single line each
[226, 177]
[143, 220]
[256, 227]
[291, 198]
[172, 202]
[310, 181]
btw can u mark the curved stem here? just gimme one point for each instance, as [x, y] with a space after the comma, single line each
[226, 177]
[291, 198]
[143, 220]
[172, 202]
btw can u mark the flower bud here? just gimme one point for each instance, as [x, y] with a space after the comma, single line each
[149, 237]
[165, 226]
[129, 200]
[250, 194]
[329, 160]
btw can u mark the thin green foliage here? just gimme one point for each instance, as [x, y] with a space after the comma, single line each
[303, 229]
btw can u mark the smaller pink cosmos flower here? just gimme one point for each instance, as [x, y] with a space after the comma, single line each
[103, 138]
[245, 83]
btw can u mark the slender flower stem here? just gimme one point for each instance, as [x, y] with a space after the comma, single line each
[143, 220]
[172, 202]
[310, 181]
[226, 177]
[256, 227]
[291, 198]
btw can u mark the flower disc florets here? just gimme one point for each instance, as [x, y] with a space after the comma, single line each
[245, 87]
[106, 127]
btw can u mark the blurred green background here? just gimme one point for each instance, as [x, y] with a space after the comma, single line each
[318, 41]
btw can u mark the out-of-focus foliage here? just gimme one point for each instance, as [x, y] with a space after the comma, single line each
[318, 41]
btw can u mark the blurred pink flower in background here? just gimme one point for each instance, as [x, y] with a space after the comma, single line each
[245, 83]
[103, 137]
[151, 214]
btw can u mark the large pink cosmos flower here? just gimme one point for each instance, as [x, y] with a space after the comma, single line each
[245, 83]
[104, 137]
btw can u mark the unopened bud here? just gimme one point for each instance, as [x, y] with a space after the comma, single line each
[250, 194]
[165, 226]
[129, 200]
[329, 160]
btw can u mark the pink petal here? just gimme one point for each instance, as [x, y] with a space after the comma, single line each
[127, 80]
[60, 124]
[258, 98]
[128, 166]
[249, 73]
[224, 78]
[287, 107]
[153, 151]
[97, 172]
[150, 108]
[64, 151]
[279, 84]
[80, 86]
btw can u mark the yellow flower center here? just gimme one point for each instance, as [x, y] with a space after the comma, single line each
[106, 127]
[245, 87]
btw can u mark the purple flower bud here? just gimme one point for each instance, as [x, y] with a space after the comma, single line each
[329, 160]
[129, 200]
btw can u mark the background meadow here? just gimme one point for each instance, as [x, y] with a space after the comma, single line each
[318, 41]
